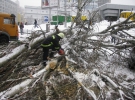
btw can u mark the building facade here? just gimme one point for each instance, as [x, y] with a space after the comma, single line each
[8, 6]
[111, 11]
[51, 8]
[34, 12]
[44, 13]
[101, 2]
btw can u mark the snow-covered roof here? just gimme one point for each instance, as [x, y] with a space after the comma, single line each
[129, 11]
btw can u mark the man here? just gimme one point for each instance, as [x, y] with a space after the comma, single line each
[35, 23]
[52, 42]
[113, 39]
[21, 28]
[57, 29]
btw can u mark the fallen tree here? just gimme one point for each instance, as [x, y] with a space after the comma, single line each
[85, 54]
[61, 81]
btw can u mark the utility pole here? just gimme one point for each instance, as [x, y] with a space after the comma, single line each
[65, 14]
[49, 14]
[57, 15]
[57, 11]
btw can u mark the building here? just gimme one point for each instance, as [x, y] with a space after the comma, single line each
[51, 8]
[89, 8]
[101, 2]
[110, 11]
[48, 9]
[20, 12]
[33, 12]
[8, 6]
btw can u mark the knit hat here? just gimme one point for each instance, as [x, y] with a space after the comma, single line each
[61, 35]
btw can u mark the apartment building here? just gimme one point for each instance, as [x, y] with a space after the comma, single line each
[110, 10]
[8, 6]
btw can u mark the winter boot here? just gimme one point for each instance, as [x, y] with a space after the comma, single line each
[44, 63]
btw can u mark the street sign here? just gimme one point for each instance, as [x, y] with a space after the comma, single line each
[46, 19]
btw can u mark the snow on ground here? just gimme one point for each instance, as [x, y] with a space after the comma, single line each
[102, 25]
[81, 76]
[28, 29]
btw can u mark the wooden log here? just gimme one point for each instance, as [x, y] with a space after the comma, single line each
[14, 54]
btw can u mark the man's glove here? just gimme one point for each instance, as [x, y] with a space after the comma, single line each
[61, 52]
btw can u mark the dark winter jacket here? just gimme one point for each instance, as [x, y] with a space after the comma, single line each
[51, 42]
[21, 26]
[57, 30]
[35, 22]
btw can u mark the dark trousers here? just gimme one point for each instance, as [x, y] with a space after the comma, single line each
[36, 26]
[113, 39]
[47, 53]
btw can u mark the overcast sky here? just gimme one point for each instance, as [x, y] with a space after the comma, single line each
[38, 2]
[126, 2]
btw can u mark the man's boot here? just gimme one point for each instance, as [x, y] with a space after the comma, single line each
[44, 63]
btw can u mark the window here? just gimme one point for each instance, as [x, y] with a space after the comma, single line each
[8, 21]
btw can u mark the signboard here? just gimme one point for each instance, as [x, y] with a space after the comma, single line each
[46, 19]
[49, 3]
[45, 3]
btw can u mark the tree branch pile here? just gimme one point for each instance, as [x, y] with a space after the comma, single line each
[88, 52]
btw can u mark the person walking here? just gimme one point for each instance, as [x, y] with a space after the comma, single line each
[35, 23]
[57, 29]
[21, 28]
[113, 39]
[52, 43]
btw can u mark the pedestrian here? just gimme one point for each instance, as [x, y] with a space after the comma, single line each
[52, 43]
[57, 29]
[25, 23]
[113, 39]
[21, 28]
[18, 23]
[35, 23]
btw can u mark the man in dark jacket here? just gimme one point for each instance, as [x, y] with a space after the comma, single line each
[113, 39]
[51, 42]
[57, 29]
[21, 28]
[35, 23]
